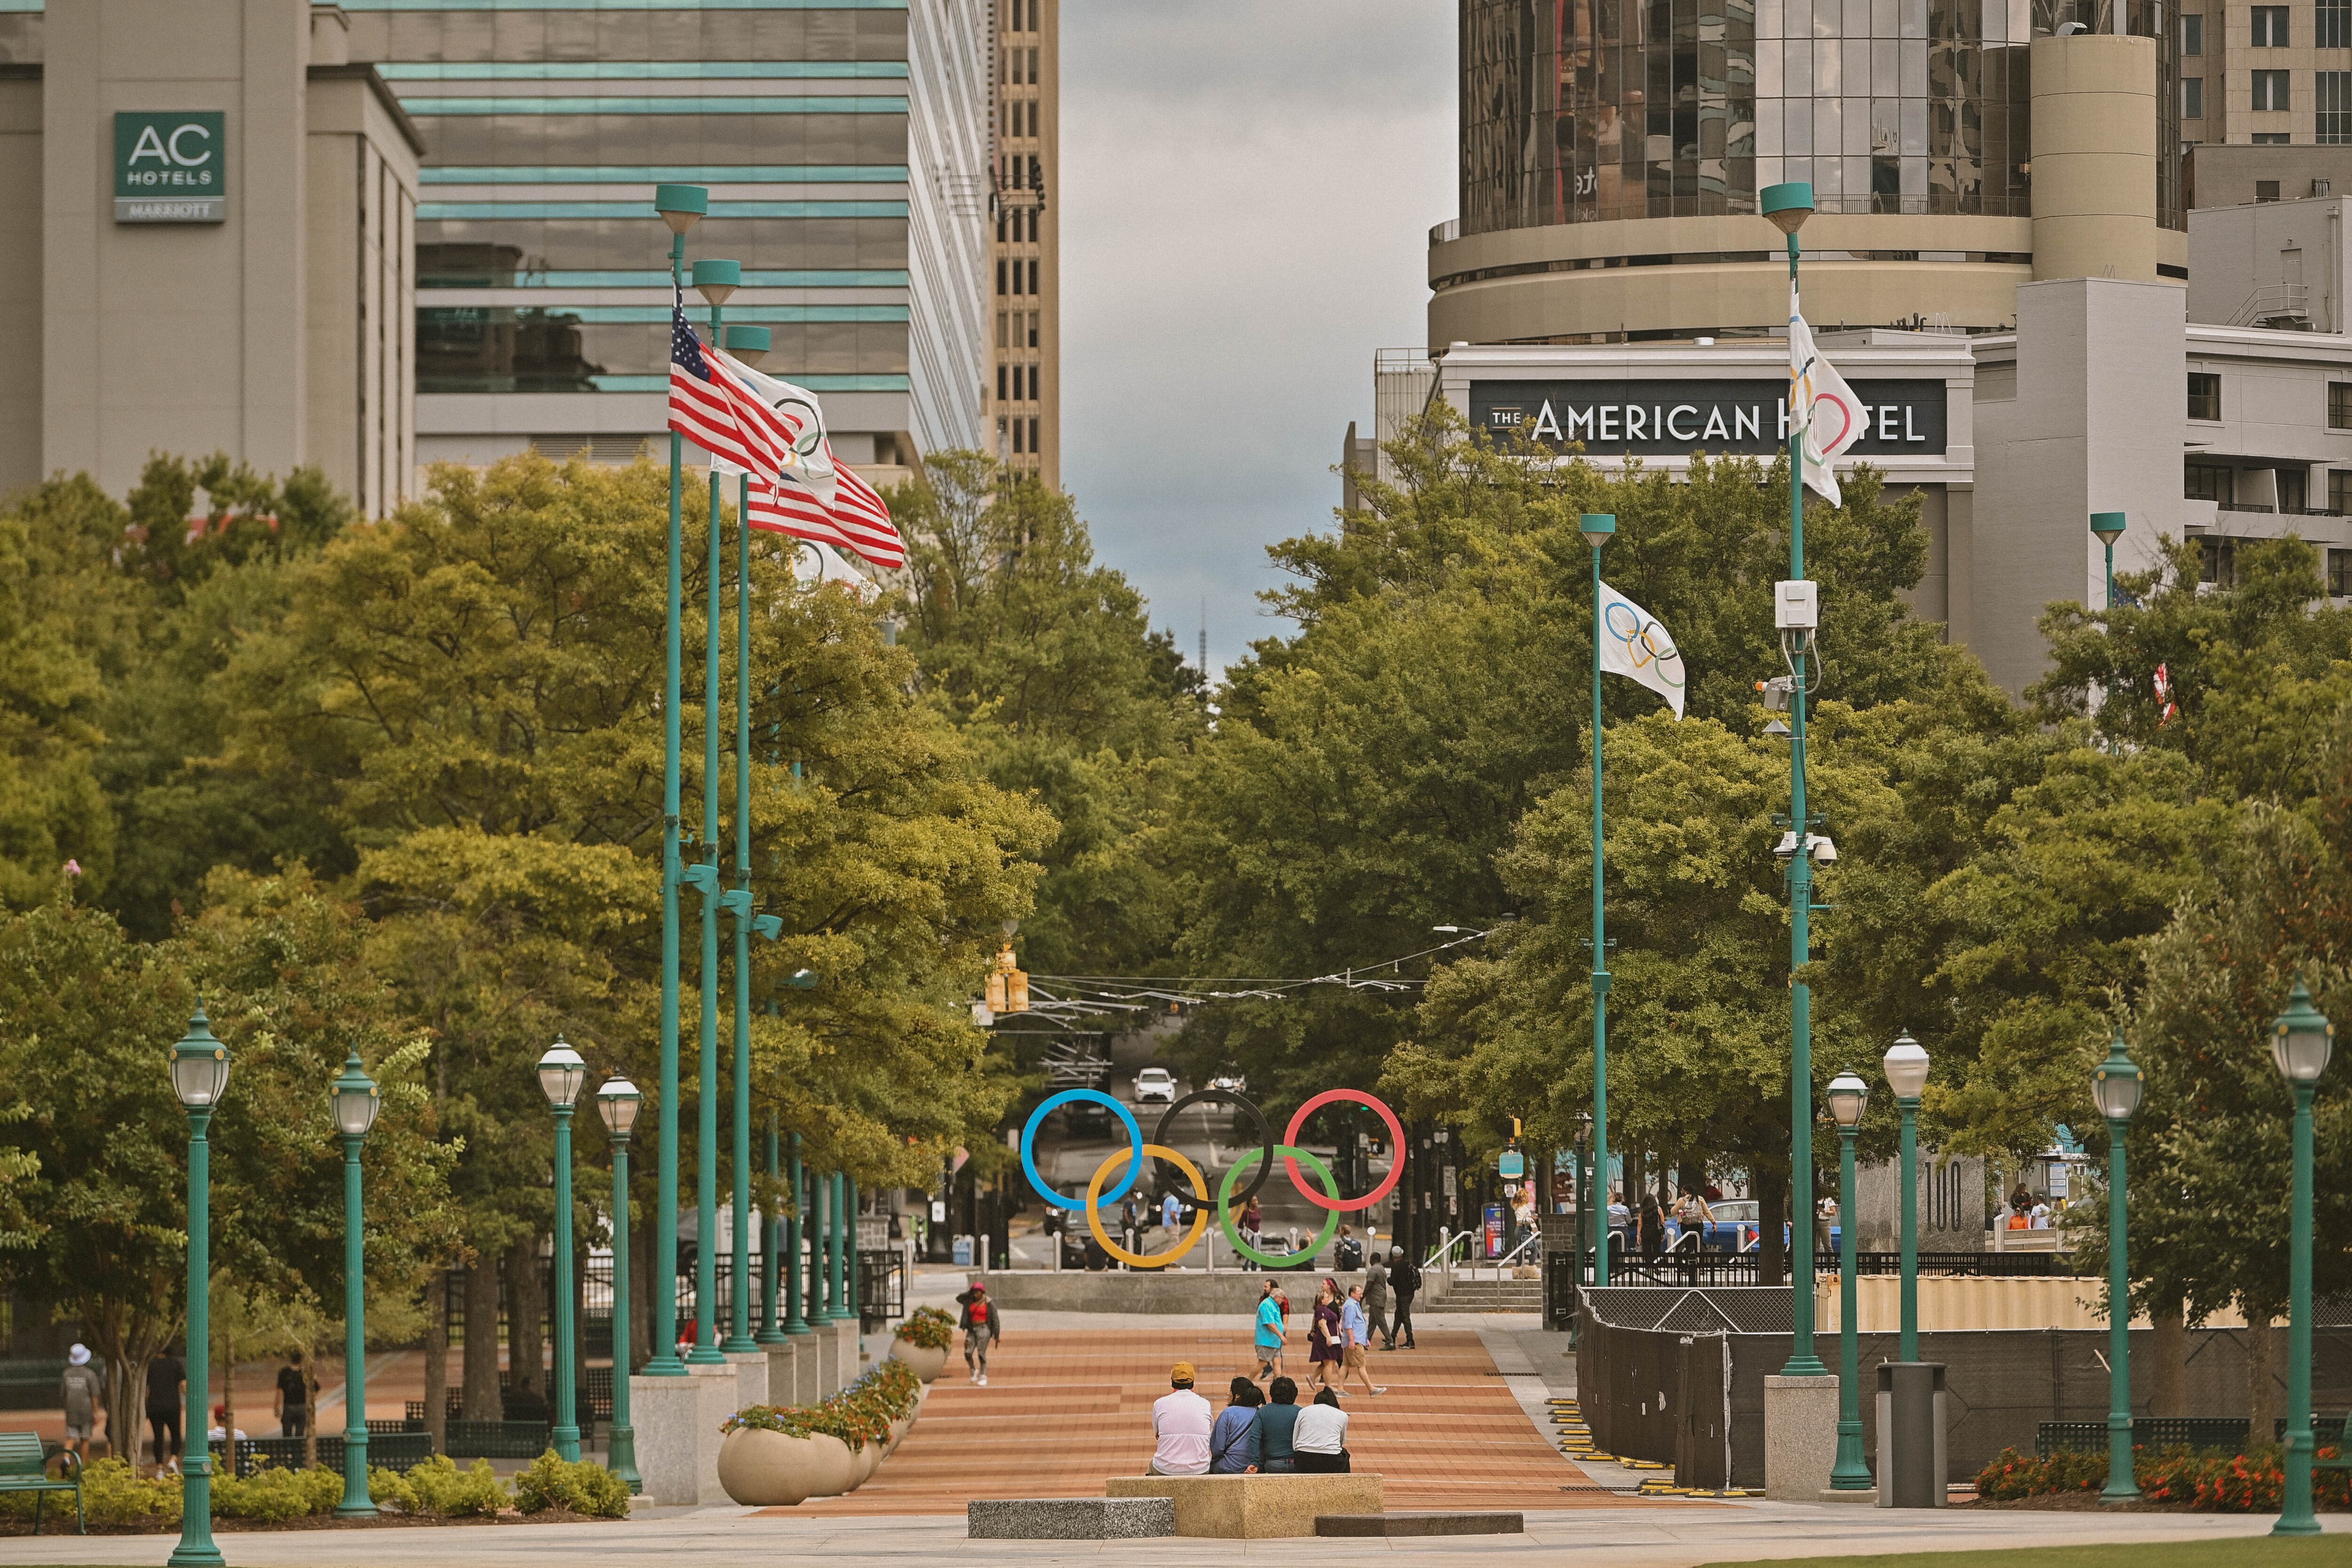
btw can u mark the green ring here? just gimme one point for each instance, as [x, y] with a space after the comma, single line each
[1225, 1208]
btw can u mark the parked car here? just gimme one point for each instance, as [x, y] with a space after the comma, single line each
[1230, 1082]
[1155, 1086]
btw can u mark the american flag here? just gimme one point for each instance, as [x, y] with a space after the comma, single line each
[865, 519]
[790, 508]
[710, 407]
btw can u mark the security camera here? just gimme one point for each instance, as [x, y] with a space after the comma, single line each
[1786, 847]
[1822, 850]
[1776, 694]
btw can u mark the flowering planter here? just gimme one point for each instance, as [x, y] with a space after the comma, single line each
[768, 1469]
[927, 1365]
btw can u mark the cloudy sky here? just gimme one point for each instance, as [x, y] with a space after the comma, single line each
[1246, 194]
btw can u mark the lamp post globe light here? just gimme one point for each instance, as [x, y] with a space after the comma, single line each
[356, 1102]
[561, 1074]
[200, 1065]
[2108, 527]
[1598, 527]
[1905, 1066]
[618, 1104]
[2114, 1088]
[680, 207]
[1787, 206]
[2301, 1042]
[1848, 1095]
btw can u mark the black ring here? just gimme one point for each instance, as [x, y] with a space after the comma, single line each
[1266, 1151]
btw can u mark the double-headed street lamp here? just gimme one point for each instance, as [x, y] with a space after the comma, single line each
[681, 208]
[356, 1102]
[1598, 527]
[2301, 1042]
[1905, 1066]
[1847, 1096]
[2115, 1086]
[561, 1074]
[617, 1103]
[200, 1065]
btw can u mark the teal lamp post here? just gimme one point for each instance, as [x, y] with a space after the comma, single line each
[2115, 1086]
[771, 1241]
[2109, 527]
[681, 208]
[617, 1103]
[2301, 1042]
[560, 1074]
[200, 1065]
[715, 282]
[1598, 527]
[1848, 1095]
[796, 1274]
[1906, 1065]
[1787, 206]
[356, 1102]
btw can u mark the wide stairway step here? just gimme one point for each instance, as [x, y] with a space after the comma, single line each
[1435, 1523]
[1069, 1519]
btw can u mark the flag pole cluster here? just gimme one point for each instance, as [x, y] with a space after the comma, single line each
[773, 431]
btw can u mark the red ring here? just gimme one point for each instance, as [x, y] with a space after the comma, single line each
[1396, 1143]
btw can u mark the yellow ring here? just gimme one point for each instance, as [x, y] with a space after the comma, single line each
[1094, 1212]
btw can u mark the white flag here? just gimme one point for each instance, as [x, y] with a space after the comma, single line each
[1632, 643]
[810, 462]
[1822, 405]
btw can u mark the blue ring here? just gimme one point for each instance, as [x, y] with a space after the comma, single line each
[1135, 1160]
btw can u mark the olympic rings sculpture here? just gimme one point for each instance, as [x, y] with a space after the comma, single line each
[1198, 1206]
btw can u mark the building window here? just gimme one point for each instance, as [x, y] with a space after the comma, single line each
[2204, 395]
[2218, 562]
[2272, 139]
[2339, 405]
[2270, 91]
[2332, 24]
[2270, 27]
[2340, 491]
[2266, 190]
[2331, 96]
[2192, 35]
[2339, 573]
[2294, 490]
[2216, 482]
[2192, 98]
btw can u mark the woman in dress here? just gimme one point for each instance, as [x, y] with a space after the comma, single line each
[1325, 1353]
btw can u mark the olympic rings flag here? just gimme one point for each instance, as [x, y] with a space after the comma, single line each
[1258, 1160]
[1634, 643]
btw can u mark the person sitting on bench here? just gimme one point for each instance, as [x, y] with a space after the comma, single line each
[1321, 1437]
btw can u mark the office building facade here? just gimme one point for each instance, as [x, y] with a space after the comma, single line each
[1611, 152]
[210, 219]
[2263, 75]
[844, 148]
[1026, 392]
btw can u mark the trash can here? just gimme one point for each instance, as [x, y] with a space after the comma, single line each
[1911, 1418]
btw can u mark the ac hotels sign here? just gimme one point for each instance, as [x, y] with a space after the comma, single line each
[171, 167]
[1675, 418]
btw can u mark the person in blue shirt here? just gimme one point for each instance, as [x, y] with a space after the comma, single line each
[1276, 1420]
[1269, 1333]
[1355, 1339]
[1233, 1441]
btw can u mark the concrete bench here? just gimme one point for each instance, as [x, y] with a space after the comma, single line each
[1395, 1525]
[1069, 1519]
[1253, 1508]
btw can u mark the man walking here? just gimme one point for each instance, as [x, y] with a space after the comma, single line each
[1404, 1279]
[1355, 1339]
[982, 1328]
[293, 1399]
[82, 1393]
[1180, 1420]
[167, 1391]
[1269, 1332]
[1376, 1298]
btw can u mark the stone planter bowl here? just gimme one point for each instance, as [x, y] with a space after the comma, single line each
[768, 1469]
[927, 1365]
[863, 1462]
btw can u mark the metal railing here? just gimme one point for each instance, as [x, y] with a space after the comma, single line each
[2272, 302]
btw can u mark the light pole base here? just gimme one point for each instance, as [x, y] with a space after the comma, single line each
[204, 1556]
[1800, 1425]
[1867, 1496]
[621, 1456]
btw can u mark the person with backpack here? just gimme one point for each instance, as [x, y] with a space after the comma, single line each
[1404, 1279]
[982, 1328]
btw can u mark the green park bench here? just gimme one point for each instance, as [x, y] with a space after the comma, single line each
[25, 1468]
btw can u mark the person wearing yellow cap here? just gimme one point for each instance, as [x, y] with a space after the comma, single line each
[1180, 1420]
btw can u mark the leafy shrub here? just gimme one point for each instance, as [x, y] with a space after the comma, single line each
[584, 1487]
[2236, 1483]
[2012, 1475]
[113, 1494]
[929, 1328]
[273, 1495]
[390, 1488]
[441, 1488]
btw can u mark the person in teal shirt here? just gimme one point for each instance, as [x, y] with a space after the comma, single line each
[1276, 1419]
[1269, 1333]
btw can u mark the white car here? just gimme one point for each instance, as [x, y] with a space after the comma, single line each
[1156, 1084]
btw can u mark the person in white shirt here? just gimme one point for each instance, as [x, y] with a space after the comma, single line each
[1180, 1420]
[1320, 1437]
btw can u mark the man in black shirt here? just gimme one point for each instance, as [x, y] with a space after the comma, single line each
[1404, 1282]
[293, 1399]
[167, 1388]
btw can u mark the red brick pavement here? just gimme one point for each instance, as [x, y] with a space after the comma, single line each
[1064, 1410]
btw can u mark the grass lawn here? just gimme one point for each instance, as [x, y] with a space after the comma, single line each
[2234, 1552]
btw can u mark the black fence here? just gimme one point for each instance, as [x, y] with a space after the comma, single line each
[2205, 1434]
[394, 1450]
[1721, 1268]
